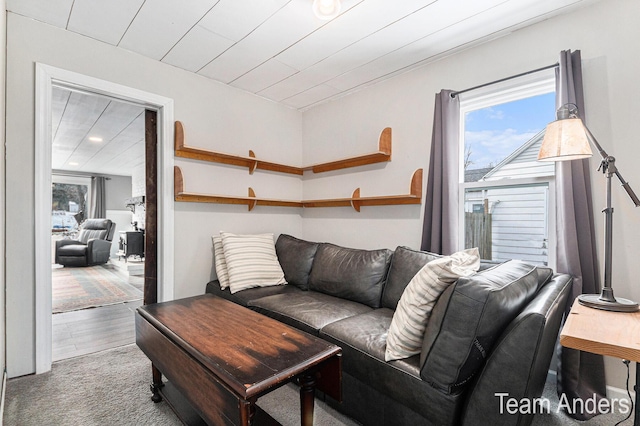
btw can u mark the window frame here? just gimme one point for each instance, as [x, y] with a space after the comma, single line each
[530, 85]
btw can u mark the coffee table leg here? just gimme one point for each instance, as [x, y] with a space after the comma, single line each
[307, 394]
[156, 385]
[247, 412]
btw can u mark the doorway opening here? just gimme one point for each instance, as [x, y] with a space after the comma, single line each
[98, 180]
[48, 78]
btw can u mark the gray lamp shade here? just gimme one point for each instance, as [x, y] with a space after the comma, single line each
[565, 139]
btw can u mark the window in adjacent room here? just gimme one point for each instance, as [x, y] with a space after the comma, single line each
[506, 196]
[70, 201]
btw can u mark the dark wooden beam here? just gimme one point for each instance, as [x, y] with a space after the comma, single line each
[151, 207]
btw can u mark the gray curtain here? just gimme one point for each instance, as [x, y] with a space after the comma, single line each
[580, 374]
[97, 206]
[440, 227]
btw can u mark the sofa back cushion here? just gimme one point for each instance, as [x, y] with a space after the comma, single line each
[405, 264]
[357, 275]
[468, 318]
[296, 257]
[94, 229]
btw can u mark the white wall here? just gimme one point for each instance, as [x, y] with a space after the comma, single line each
[117, 189]
[3, 20]
[138, 181]
[215, 117]
[607, 33]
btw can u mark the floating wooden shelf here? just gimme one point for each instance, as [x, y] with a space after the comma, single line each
[356, 201]
[252, 163]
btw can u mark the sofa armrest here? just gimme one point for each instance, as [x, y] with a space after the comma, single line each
[517, 367]
[98, 251]
[62, 243]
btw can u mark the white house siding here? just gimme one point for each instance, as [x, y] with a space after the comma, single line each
[519, 220]
[519, 223]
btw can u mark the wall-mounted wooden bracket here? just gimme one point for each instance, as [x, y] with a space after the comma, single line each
[250, 201]
[252, 163]
[355, 201]
[382, 155]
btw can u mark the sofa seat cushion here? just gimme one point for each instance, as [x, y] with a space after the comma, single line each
[366, 332]
[363, 342]
[245, 296]
[467, 320]
[296, 258]
[307, 310]
[352, 274]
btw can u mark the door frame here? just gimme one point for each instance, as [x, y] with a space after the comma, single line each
[46, 77]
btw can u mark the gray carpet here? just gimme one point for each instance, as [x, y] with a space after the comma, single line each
[112, 388]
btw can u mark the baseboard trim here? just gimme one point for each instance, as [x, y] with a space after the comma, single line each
[4, 388]
[612, 391]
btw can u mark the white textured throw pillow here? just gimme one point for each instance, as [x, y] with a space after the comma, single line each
[220, 262]
[251, 261]
[409, 322]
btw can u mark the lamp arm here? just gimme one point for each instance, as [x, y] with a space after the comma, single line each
[610, 166]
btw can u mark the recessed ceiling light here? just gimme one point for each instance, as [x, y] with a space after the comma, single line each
[326, 9]
[95, 139]
[73, 163]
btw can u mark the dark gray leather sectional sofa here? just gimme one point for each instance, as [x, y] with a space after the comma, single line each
[493, 332]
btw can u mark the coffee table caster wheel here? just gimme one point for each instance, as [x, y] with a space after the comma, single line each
[156, 397]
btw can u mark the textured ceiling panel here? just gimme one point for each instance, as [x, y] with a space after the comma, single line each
[279, 50]
[54, 12]
[196, 49]
[117, 130]
[160, 24]
[103, 20]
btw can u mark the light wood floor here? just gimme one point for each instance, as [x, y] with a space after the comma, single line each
[92, 330]
[96, 329]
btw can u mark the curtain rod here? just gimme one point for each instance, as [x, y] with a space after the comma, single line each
[454, 94]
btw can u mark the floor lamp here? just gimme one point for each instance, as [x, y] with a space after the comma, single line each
[568, 138]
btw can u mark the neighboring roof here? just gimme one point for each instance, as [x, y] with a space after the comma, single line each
[476, 174]
[515, 154]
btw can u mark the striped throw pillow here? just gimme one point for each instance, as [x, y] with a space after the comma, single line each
[220, 262]
[409, 322]
[251, 261]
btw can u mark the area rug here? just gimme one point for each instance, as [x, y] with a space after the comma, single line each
[89, 287]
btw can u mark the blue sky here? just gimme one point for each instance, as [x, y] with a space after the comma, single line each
[495, 132]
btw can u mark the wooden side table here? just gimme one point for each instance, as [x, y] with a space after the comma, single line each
[615, 334]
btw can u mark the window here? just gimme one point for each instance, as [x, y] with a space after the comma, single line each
[506, 195]
[69, 202]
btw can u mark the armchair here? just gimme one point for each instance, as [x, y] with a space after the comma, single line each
[92, 246]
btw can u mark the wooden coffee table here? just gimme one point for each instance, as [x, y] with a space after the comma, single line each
[220, 357]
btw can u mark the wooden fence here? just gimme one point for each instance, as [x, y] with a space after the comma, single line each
[477, 233]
